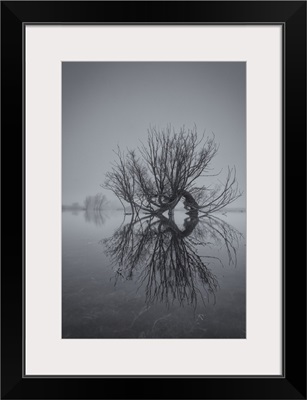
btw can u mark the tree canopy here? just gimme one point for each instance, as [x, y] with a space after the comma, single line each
[166, 169]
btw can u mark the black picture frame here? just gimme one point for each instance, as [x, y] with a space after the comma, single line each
[292, 16]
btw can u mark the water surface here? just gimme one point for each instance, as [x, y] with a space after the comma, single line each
[153, 279]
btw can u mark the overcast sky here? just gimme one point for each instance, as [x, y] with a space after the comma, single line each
[105, 104]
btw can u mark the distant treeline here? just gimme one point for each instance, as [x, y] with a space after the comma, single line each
[96, 202]
[72, 207]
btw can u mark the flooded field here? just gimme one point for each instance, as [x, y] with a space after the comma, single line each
[153, 278]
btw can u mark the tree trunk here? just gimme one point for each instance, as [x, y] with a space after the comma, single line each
[190, 203]
[171, 214]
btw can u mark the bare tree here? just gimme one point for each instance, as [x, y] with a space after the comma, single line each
[121, 180]
[159, 173]
[97, 202]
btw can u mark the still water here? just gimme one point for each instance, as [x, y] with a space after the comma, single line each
[153, 278]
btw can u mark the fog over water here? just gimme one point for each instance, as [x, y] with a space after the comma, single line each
[105, 104]
[154, 275]
[99, 303]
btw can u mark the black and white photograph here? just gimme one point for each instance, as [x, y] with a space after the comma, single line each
[148, 216]
[154, 200]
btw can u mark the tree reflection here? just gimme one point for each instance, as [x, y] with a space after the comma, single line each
[166, 260]
[98, 217]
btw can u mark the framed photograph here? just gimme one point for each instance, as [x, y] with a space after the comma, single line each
[163, 192]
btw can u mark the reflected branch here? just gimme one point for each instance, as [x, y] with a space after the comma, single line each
[98, 217]
[165, 259]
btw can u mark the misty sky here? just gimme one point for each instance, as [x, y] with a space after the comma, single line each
[105, 104]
